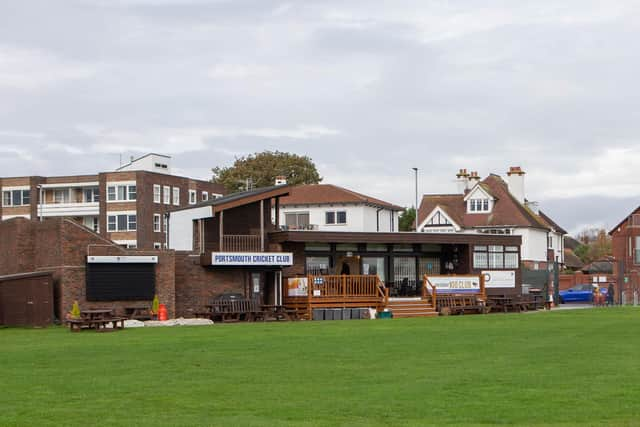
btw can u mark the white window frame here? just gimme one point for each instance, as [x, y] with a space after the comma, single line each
[157, 193]
[166, 194]
[113, 191]
[157, 221]
[176, 196]
[335, 217]
[157, 245]
[193, 197]
[9, 191]
[205, 196]
[129, 222]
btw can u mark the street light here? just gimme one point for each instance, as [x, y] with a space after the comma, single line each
[416, 205]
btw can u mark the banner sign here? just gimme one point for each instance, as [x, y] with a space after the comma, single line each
[455, 284]
[252, 258]
[298, 287]
[129, 259]
[499, 279]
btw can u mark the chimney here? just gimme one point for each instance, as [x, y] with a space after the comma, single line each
[462, 181]
[281, 180]
[515, 182]
[474, 178]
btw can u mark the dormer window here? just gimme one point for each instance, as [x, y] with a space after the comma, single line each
[479, 205]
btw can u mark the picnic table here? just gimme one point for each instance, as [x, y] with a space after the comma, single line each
[508, 303]
[97, 319]
[246, 309]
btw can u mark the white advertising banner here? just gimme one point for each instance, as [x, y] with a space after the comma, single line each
[252, 258]
[455, 284]
[298, 287]
[499, 279]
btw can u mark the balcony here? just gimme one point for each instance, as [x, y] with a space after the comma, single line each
[241, 243]
[68, 209]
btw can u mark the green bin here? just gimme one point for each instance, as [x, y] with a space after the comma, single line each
[384, 315]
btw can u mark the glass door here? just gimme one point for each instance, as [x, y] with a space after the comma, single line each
[404, 277]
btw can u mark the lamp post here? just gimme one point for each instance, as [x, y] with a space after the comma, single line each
[416, 205]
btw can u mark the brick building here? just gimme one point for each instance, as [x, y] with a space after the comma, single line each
[128, 205]
[626, 250]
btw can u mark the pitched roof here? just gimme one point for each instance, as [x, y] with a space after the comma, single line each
[322, 194]
[572, 260]
[507, 211]
[571, 243]
[626, 218]
[241, 198]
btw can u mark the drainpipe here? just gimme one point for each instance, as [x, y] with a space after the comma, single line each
[378, 218]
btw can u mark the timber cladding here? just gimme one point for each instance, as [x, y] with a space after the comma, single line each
[26, 299]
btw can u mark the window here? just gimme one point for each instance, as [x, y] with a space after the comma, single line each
[339, 217]
[346, 247]
[205, 196]
[91, 195]
[317, 265]
[165, 223]
[479, 205]
[317, 247]
[61, 196]
[122, 222]
[192, 197]
[374, 266]
[156, 223]
[297, 220]
[330, 217]
[157, 245]
[550, 241]
[95, 225]
[495, 257]
[176, 196]
[161, 165]
[376, 247]
[166, 194]
[156, 193]
[121, 193]
[636, 258]
[16, 198]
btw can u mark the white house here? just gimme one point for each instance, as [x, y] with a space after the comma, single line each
[327, 207]
[495, 206]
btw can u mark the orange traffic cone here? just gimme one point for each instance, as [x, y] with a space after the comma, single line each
[162, 312]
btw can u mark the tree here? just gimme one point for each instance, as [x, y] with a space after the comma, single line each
[261, 170]
[596, 245]
[406, 220]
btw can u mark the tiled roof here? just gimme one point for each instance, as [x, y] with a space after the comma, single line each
[322, 194]
[507, 211]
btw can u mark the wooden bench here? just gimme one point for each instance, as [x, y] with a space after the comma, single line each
[460, 304]
[234, 310]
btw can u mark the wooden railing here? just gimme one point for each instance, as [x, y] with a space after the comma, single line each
[346, 286]
[241, 243]
[426, 283]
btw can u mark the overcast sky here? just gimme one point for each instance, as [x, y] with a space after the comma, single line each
[367, 89]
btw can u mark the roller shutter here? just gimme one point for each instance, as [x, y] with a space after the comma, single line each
[120, 282]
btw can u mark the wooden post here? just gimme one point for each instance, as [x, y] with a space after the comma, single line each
[277, 213]
[221, 227]
[483, 291]
[262, 225]
[309, 296]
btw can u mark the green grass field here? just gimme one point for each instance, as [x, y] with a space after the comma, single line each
[564, 368]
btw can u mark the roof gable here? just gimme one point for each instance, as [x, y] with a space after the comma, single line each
[438, 210]
[479, 192]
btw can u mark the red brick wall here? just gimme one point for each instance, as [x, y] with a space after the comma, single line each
[197, 285]
[62, 247]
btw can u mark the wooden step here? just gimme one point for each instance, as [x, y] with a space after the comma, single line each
[412, 308]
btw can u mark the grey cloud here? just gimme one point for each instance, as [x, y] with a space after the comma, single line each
[437, 85]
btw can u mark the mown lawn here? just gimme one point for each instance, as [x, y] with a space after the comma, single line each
[563, 368]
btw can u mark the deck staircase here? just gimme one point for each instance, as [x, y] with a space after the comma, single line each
[412, 308]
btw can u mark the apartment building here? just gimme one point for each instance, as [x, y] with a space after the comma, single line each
[128, 206]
